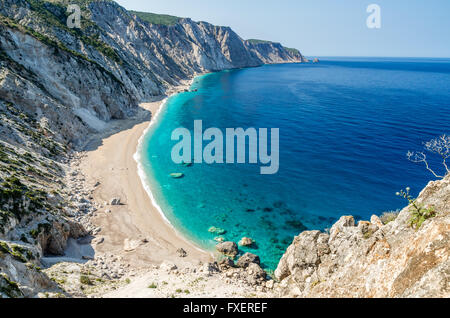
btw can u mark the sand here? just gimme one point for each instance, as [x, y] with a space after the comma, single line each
[132, 245]
[136, 230]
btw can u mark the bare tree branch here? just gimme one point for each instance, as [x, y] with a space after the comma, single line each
[418, 157]
[441, 147]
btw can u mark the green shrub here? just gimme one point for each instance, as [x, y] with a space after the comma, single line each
[256, 41]
[152, 18]
[419, 213]
[85, 280]
[9, 287]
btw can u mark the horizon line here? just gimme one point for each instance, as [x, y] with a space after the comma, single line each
[377, 56]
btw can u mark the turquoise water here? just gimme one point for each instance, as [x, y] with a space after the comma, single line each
[345, 127]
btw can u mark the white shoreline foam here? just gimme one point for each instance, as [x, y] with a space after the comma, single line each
[145, 181]
[137, 157]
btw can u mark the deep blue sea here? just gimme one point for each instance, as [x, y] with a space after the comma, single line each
[345, 127]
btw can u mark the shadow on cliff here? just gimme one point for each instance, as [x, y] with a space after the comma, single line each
[142, 115]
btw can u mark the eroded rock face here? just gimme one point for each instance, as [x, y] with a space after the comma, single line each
[256, 275]
[226, 263]
[248, 258]
[80, 87]
[19, 274]
[371, 259]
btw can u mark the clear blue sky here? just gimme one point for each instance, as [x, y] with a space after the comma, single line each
[410, 28]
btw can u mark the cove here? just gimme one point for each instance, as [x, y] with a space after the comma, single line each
[345, 126]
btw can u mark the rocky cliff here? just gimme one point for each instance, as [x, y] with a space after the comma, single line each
[101, 71]
[373, 259]
[59, 85]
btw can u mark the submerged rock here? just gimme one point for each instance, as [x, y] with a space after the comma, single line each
[296, 224]
[278, 204]
[177, 175]
[216, 230]
[228, 249]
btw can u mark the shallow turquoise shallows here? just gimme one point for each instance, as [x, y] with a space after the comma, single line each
[345, 127]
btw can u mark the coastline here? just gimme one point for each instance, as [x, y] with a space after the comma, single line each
[137, 231]
[140, 168]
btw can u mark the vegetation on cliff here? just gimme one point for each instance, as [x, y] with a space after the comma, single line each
[152, 18]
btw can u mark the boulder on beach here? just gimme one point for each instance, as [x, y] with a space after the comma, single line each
[130, 245]
[168, 266]
[115, 201]
[228, 249]
[181, 252]
[248, 258]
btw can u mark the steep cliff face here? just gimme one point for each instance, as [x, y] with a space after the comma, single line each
[270, 52]
[372, 259]
[115, 60]
[58, 85]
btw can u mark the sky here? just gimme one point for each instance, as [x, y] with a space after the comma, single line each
[409, 28]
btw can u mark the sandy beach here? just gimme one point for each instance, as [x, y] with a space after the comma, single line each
[134, 230]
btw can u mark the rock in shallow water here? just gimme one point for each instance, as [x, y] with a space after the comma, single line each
[228, 248]
[246, 241]
[216, 230]
[177, 175]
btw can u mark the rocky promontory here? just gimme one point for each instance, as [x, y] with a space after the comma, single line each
[373, 259]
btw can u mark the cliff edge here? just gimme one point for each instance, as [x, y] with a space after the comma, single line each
[372, 259]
